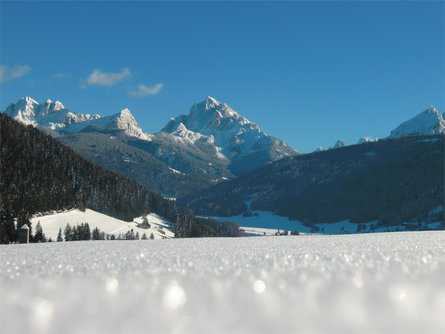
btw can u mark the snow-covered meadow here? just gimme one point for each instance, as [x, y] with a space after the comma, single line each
[384, 282]
[51, 223]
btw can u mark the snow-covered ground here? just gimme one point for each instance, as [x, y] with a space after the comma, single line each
[384, 282]
[53, 222]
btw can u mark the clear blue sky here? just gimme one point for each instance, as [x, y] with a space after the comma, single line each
[307, 72]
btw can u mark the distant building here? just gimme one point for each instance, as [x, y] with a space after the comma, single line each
[24, 234]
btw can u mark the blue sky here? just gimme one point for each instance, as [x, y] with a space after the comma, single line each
[306, 72]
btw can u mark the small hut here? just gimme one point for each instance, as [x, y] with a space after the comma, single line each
[24, 234]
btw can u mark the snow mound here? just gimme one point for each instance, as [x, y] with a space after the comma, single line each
[384, 283]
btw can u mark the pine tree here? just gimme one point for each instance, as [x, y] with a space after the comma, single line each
[39, 235]
[59, 236]
[144, 236]
[7, 227]
[68, 233]
[75, 233]
[96, 234]
[86, 232]
[137, 236]
[152, 236]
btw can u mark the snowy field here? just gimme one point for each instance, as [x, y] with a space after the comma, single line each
[264, 221]
[385, 282]
[53, 222]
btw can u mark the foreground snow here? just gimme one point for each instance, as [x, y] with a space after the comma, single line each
[53, 222]
[386, 282]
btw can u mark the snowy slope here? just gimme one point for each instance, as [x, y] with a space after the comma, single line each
[52, 223]
[427, 122]
[365, 283]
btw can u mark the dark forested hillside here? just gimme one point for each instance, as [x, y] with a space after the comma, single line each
[39, 174]
[390, 181]
[142, 161]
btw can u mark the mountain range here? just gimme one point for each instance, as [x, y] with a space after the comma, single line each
[198, 157]
[211, 144]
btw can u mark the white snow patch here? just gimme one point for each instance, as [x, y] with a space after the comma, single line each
[176, 171]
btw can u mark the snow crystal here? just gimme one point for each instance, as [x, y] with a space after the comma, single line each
[386, 282]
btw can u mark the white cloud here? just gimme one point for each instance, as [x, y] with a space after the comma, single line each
[61, 75]
[143, 90]
[9, 73]
[99, 78]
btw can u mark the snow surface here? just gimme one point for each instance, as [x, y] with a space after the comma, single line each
[384, 283]
[53, 222]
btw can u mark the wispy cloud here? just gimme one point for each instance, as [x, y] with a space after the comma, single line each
[143, 90]
[10, 73]
[61, 75]
[99, 78]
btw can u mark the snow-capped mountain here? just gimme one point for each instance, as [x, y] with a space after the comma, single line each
[210, 144]
[339, 143]
[53, 115]
[124, 120]
[50, 114]
[233, 137]
[427, 122]
[365, 140]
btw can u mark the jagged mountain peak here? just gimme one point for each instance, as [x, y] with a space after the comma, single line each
[124, 120]
[52, 106]
[210, 102]
[27, 100]
[427, 122]
[339, 143]
[212, 108]
[233, 136]
[432, 110]
[124, 116]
